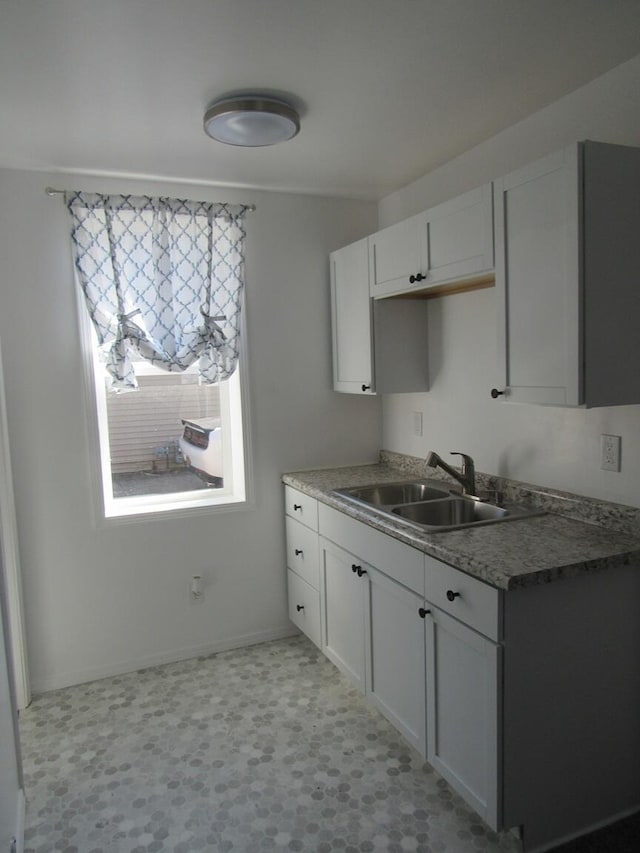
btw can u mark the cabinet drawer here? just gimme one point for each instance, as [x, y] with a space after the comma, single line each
[301, 507]
[302, 551]
[471, 601]
[400, 562]
[304, 606]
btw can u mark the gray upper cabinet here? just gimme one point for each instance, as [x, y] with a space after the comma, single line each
[377, 347]
[567, 232]
[452, 242]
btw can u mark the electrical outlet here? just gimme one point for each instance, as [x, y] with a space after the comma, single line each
[610, 452]
[417, 423]
[196, 588]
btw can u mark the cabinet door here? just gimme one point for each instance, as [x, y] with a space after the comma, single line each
[396, 657]
[396, 254]
[342, 608]
[460, 238]
[351, 320]
[463, 711]
[538, 280]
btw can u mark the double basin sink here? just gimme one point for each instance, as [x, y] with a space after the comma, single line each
[429, 505]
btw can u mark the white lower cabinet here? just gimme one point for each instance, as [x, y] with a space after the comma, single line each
[418, 638]
[462, 675]
[301, 524]
[397, 657]
[342, 607]
[371, 631]
[304, 607]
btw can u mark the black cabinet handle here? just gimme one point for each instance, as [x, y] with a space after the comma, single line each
[451, 595]
[297, 507]
[361, 571]
[422, 612]
[299, 607]
[418, 277]
[298, 551]
[366, 387]
[355, 568]
[495, 393]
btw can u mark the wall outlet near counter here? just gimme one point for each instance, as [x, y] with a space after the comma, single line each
[417, 423]
[610, 452]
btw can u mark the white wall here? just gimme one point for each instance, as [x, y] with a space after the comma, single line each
[556, 447]
[100, 599]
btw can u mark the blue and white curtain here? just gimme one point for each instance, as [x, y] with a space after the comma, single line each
[162, 280]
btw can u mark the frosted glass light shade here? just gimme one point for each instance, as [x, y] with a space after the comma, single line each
[251, 122]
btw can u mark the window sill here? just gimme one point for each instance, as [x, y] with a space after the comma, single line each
[126, 511]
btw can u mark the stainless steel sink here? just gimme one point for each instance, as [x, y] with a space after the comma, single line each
[429, 505]
[390, 494]
[450, 513]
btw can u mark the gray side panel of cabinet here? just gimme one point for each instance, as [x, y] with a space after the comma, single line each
[571, 704]
[611, 257]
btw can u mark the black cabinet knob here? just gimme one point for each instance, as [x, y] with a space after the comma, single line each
[417, 277]
[299, 607]
[297, 507]
[298, 552]
[422, 612]
[366, 387]
[361, 571]
[451, 595]
[355, 568]
[495, 393]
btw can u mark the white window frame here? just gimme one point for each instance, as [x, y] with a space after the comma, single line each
[237, 491]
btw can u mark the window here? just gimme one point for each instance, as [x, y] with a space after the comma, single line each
[174, 443]
[162, 281]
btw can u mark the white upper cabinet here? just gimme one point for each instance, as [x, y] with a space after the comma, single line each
[352, 321]
[452, 242]
[398, 257]
[377, 348]
[567, 253]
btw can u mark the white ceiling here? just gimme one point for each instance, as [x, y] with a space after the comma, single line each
[388, 89]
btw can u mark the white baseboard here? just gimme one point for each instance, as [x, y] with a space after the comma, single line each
[44, 684]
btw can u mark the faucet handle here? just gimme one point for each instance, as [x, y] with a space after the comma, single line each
[466, 459]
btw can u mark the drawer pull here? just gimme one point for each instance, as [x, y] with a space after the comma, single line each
[298, 552]
[451, 595]
[296, 507]
[299, 607]
[366, 387]
[422, 612]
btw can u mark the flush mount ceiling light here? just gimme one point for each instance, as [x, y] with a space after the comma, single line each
[251, 121]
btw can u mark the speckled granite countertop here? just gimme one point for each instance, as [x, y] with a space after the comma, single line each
[509, 555]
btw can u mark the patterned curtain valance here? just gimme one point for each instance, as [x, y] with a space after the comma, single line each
[162, 280]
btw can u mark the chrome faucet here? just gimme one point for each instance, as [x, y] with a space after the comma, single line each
[466, 477]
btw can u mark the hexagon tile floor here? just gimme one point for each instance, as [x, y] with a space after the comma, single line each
[263, 748]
